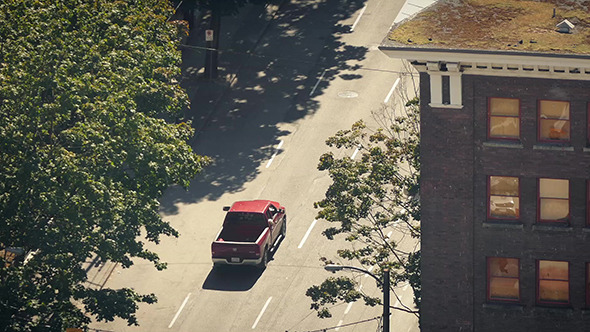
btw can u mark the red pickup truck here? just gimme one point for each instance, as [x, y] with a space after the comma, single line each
[250, 232]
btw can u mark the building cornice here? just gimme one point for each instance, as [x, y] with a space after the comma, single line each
[496, 63]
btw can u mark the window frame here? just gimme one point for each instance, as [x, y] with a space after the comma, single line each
[489, 189]
[538, 285]
[569, 204]
[488, 275]
[489, 136]
[563, 142]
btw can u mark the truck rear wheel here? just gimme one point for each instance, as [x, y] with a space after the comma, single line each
[264, 262]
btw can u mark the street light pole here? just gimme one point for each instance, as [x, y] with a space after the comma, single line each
[386, 300]
[384, 283]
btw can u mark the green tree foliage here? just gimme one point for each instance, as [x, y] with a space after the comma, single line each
[88, 90]
[368, 196]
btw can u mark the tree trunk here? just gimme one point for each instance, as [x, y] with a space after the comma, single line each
[212, 55]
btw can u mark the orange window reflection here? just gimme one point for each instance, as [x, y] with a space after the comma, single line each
[503, 279]
[553, 282]
[554, 120]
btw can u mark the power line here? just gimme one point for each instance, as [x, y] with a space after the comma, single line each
[349, 324]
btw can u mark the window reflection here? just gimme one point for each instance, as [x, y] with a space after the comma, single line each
[504, 200]
[553, 200]
[504, 118]
[503, 275]
[554, 120]
[553, 281]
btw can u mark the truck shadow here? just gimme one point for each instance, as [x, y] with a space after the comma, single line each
[232, 278]
[236, 278]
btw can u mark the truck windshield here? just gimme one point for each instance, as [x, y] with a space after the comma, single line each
[245, 218]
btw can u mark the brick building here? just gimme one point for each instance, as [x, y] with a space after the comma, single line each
[505, 153]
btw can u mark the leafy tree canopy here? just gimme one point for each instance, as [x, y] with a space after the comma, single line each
[370, 195]
[87, 92]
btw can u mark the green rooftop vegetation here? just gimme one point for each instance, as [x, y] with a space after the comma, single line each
[518, 25]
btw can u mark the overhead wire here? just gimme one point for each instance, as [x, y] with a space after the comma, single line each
[339, 326]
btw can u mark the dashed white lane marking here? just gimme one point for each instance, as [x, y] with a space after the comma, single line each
[275, 154]
[386, 100]
[358, 18]
[355, 152]
[307, 234]
[348, 307]
[338, 325]
[370, 269]
[261, 312]
[389, 234]
[318, 82]
[179, 310]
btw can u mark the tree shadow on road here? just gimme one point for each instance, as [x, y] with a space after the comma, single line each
[267, 76]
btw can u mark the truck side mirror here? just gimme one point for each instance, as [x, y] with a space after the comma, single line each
[226, 208]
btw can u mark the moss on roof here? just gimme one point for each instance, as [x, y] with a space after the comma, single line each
[519, 25]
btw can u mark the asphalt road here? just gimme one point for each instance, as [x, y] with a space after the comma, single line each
[311, 69]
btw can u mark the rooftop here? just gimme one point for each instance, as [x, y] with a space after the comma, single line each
[497, 25]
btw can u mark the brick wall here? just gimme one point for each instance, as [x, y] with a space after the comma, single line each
[456, 159]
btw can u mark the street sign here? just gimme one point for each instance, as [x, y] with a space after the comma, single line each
[208, 35]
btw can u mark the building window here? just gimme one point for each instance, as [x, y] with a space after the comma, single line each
[504, 118]
[503, 279]
[553, 282]
[554, 121]
[503, 197]
[553, 202]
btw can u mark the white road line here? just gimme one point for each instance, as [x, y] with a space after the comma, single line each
[307, 234]
[348, 308]
[391, 91]
[338, 325]
[358, 18]
[370, 269]
[318, 82]
[355, 152]
[261, 312]
[275, 154]
[389, 234]
[179, 310]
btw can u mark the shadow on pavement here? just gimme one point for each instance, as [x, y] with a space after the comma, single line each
[269, 63]
[232, 278]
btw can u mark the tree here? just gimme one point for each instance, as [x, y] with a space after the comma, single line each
[217, 9]
[88, 90]
[378, 191]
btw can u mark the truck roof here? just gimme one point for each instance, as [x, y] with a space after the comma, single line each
[258, 206]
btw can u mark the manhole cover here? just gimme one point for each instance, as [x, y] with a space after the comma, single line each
[347, 94]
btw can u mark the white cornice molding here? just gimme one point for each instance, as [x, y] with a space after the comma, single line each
[549, 66]
[534, 59]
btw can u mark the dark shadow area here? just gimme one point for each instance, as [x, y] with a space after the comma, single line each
[269, 63]
[237, 278]
[232, 278]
